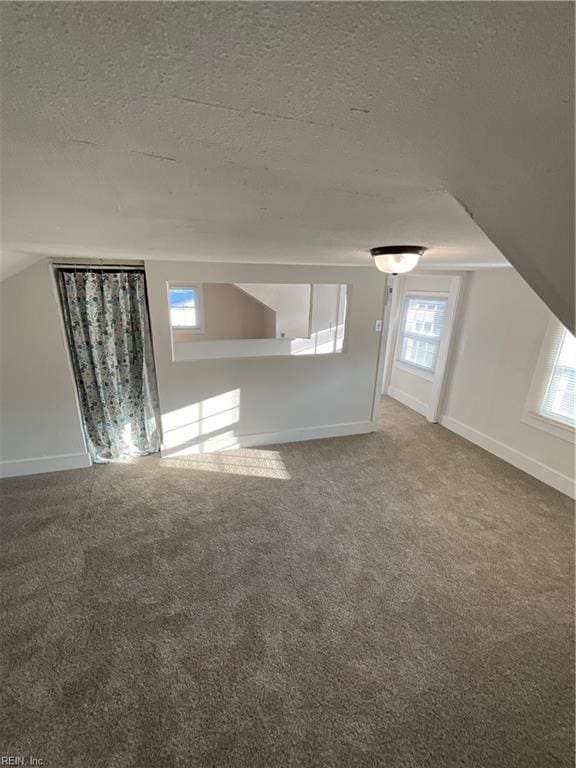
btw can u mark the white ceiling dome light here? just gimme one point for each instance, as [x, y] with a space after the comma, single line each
[396, 259]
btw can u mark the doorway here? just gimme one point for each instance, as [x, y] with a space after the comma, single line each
[105, 313]
[420, 334]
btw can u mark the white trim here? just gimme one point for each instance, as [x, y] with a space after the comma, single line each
[191, 351]
[41, 464]
[382, 342]
[443, 355]
[199, 307]
[553, 427]
[415, 370]
[365, 264]
[537, 469]
[408, 400]
[465, 266]
[396, 285]
[212, 444]
[543, 371]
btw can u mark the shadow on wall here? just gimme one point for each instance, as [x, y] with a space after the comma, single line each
[198, 436]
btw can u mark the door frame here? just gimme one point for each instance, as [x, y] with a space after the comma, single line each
[439, 379]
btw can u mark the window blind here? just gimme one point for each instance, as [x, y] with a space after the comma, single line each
[559, 398]
[421, 331]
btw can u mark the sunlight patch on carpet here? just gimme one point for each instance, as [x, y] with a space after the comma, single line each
[249, 461]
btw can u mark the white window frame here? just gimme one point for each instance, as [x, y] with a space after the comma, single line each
[199, 327]
[414, 368]
[531, 414]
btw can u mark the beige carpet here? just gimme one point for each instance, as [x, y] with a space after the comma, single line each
[396, 599]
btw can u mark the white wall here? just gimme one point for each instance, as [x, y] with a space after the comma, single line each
[501, 328]
[40, 426]
[291, 304]
[220, 403]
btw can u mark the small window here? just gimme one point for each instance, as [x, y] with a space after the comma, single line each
[421, 331]
[558, 401]
[185, 310]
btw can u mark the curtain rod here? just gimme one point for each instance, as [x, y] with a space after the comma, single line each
[94, 267]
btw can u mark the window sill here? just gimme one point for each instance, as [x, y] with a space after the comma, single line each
[236, 348]
[415, 370]
[556, 428]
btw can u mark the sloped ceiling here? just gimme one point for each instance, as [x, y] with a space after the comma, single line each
[292, 132]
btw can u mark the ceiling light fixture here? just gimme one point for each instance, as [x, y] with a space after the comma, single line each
[395, 259]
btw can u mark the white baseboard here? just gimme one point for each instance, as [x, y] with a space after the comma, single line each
[519, 460]
[412, 402]
[16, 467]
[229, 440]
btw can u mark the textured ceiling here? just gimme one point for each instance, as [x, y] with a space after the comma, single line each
[292, 132]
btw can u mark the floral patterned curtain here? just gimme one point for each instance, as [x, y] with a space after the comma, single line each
[106, 318]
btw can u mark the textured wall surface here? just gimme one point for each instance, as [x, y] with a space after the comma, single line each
[292, 132]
